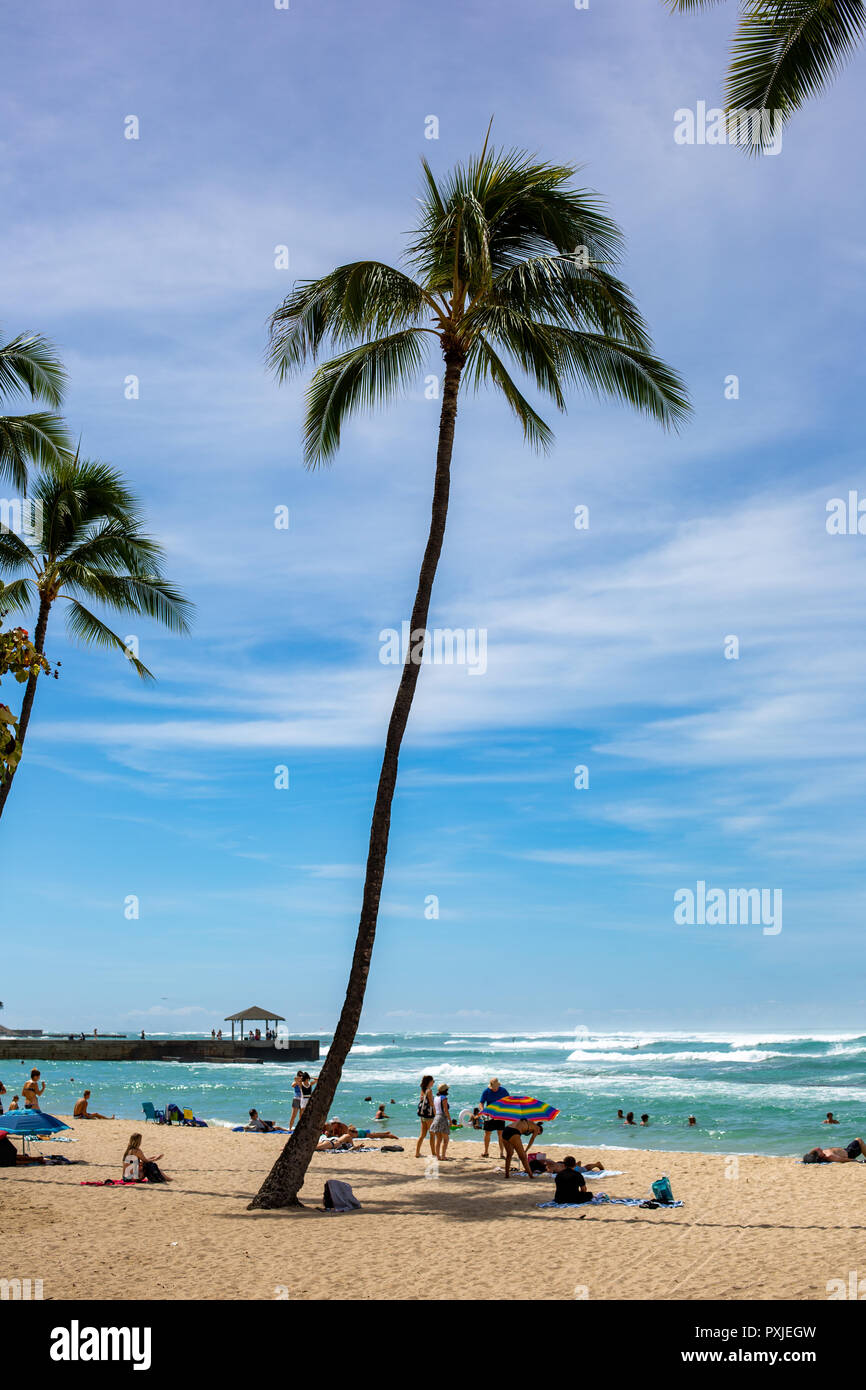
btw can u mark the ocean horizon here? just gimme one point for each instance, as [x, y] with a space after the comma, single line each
[750, 1091]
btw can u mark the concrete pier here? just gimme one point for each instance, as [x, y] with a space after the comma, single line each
[157, 1050]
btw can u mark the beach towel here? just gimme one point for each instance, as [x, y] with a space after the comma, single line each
[118, 1182]
[605, 1173]
[601, 1199]
[340, 1197]
[242, 1129]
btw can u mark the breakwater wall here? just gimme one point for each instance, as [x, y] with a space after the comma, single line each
[158, 1050]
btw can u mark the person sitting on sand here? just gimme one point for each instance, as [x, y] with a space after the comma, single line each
[855, 1150]
[830, 1120]
[335, 1129]
[13, 1104]
[81, 1111]
[9, 1155]
[570, 1185]
[137, 1166]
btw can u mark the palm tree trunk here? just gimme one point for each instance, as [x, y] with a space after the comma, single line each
[29, 696]
[286, 1178]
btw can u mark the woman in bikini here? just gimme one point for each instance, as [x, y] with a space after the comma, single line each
[426, 1112]
[512, 1138]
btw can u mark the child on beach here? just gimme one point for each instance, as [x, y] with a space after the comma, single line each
[440, 1130]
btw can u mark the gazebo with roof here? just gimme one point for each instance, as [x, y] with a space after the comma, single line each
[253, 1014]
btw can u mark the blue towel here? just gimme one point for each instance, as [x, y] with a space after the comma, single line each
[601, 1199]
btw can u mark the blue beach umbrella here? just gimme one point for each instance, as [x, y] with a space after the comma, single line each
[30, 1124]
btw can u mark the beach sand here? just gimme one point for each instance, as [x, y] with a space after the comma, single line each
[777, 1230]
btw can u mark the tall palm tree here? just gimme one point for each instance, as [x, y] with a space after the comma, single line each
[91, 548]
[30, 365]
[784, 52]
[507, 258]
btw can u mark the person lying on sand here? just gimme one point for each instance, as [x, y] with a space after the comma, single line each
[257, 1125]
[856, 1149]
[554, 1166]
[371, 1133]
[81, 1111]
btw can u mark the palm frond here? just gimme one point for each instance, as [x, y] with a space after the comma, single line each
[604, 366]
[17, 597]
[367, 375]
[786, 51]
[29, 363]
[527, 341]
[364, 299]
[483, 365]
[15, 554]
[138, 595]
[574, 294]
[38, 438]
[85, 628]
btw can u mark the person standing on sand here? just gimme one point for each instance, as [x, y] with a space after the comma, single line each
[493, 1092]
[426, 1113]
[31, 1090]
[512, 1137]
[296, 1098]
[440, 1130]
[2, 1093]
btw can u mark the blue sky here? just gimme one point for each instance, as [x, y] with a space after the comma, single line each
[155, 258]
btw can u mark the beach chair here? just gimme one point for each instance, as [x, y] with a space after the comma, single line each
[188, 1116]
[149, 1112]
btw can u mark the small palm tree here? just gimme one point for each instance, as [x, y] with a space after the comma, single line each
[30, 365]
[508, 258]
[91, 548]
[784, 52]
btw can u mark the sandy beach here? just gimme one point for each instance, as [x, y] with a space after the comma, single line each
[760, 1228]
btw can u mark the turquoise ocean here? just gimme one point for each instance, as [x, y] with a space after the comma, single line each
[751, 1093]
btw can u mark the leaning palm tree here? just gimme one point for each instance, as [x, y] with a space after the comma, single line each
[508, 258]
[30, 365]
[784, 52]
[91, 547]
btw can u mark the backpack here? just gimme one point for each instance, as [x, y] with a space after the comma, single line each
[662, 1191]
[339, 1196]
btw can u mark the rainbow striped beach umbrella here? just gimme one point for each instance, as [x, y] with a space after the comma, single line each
[519, 1108]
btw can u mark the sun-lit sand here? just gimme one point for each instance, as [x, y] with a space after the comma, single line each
[764, 1228]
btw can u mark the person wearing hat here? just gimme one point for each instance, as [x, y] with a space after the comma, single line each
[440, 1130]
